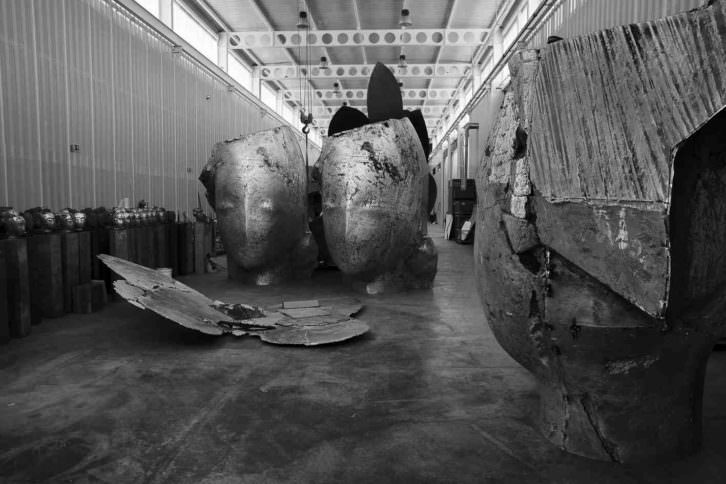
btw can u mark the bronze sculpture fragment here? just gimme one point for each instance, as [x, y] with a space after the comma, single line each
[598, 250]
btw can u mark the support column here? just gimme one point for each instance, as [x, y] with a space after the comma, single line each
[497, 44]
[475, 77]
[165, 12]
[222, 51]
[278, 102]
[256, 84]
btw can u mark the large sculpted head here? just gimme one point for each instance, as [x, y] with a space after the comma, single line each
[374, 196]
[375, 190]
[257, 186]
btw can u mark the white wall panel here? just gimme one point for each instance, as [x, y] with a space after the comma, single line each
[85, 72]
[20, 105]
[53, 104]
[102, 106]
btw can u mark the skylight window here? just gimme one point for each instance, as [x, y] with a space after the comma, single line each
[239, 72]
[268, 96]
[151, 5]
[191, 30]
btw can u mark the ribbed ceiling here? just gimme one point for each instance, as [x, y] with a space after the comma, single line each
[257, 15]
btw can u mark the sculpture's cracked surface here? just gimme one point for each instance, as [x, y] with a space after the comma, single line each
[599, 242]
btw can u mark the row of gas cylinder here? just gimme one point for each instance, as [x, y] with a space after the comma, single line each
[41, 220]
[48, 263]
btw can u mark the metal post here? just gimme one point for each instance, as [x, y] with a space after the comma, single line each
[165, 12]
[222, 51]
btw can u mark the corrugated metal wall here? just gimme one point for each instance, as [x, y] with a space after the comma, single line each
[577, 17]
[83, 72]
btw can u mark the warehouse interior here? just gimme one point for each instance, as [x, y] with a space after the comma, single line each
[439, 240]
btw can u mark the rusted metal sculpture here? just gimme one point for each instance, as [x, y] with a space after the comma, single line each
[599, 246]
[256, 184]
[375, 186]
[329, 322]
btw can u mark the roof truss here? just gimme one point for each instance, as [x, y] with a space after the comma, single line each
[360, 94]
[346, 38]
[359, 71]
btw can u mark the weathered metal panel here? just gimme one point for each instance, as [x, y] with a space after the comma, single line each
[624, 247]
[611, 85]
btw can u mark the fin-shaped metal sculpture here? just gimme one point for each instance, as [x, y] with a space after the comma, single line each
[384, 102]
[346, 118]
[433, 193]
[384, 95]
[419, 124]
[146, 288]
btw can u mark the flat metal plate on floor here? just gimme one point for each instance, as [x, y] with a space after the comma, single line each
[147, 288]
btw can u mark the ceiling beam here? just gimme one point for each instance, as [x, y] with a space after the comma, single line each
[214, 16]
[535, 21]
[361, 94]
[363, 71]
[323, 124]
[325, 49]
[356, 12]
[350, 38]
[438, 53]
[256, 7]
[427, 110]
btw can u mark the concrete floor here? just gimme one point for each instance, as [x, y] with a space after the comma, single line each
[428, 396]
